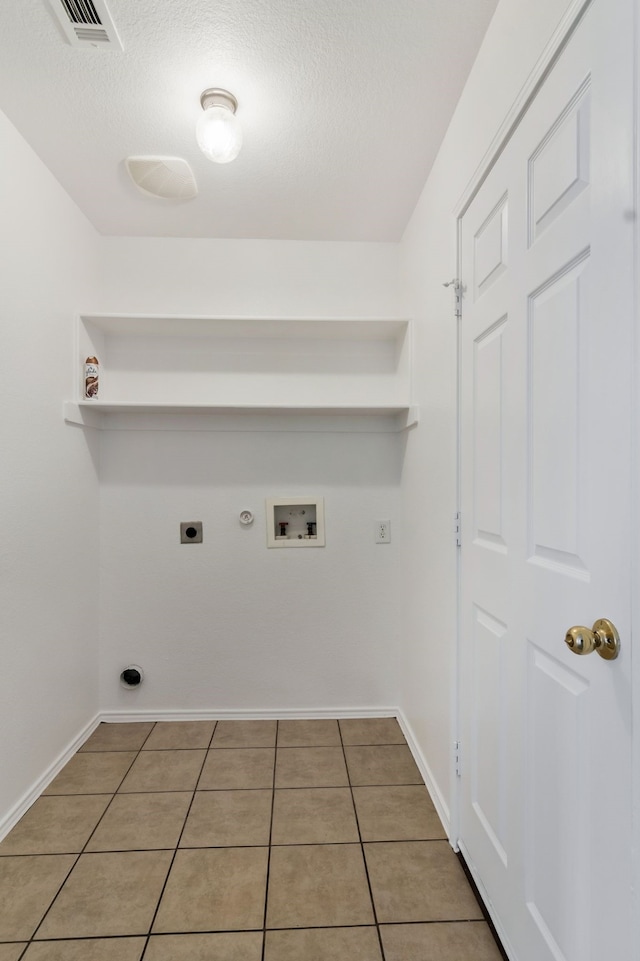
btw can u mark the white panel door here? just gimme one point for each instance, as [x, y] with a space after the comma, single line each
[546, 352]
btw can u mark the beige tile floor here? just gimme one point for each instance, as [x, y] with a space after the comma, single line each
[310, 840]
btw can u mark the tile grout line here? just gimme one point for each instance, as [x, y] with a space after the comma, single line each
[306, 927]
[177, 845]
[273, 801]
[81, 852]
[224, 847]
[305, 787]
[364, 859]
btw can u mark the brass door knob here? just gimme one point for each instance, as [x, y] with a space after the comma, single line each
[604, 639]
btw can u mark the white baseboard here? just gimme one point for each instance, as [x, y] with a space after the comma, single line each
[437, 797]
[18, 810]
[247, 715]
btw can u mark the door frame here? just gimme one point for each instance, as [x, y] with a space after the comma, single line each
[554, 48]
[634, 520]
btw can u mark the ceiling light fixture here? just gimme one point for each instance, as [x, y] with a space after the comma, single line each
[218, 131]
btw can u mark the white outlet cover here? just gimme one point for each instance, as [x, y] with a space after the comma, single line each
[383, 532]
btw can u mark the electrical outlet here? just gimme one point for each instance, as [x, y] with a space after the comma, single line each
[383, 532]
[191, 532]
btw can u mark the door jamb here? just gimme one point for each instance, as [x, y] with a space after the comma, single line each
[635, 493]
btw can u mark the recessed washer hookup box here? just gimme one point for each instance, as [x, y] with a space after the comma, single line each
[295, 522]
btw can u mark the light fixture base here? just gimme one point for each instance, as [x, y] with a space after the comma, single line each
[216, 97]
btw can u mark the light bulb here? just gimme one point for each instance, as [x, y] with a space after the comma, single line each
[218, 130]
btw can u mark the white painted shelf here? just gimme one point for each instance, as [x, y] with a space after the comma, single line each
[245, 373]
[191, 417]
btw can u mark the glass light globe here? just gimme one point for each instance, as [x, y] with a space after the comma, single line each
[219, 134]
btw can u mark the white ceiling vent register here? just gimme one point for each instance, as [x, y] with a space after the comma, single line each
[168, 177]
[86, 23]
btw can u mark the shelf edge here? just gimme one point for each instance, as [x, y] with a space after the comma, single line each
[268, 419]
[81, 415]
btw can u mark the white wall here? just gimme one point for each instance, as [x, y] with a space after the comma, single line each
[229, 624]
[514, 42]
[251, 277]
[48, 550]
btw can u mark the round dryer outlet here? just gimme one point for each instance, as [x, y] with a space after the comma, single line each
[131, 677]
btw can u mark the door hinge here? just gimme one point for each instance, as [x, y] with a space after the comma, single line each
[456, 758]
[457, 287]
[457, 528]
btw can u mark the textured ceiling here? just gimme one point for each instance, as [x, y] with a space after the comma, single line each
[343, 106]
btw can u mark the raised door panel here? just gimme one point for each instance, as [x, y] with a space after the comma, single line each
[559, 167]
[556, 468]
[488, 437]
[490, 724]
[558, 812]
[490, 255]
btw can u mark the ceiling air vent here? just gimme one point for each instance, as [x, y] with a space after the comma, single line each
[86, 23]
[170, 178]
